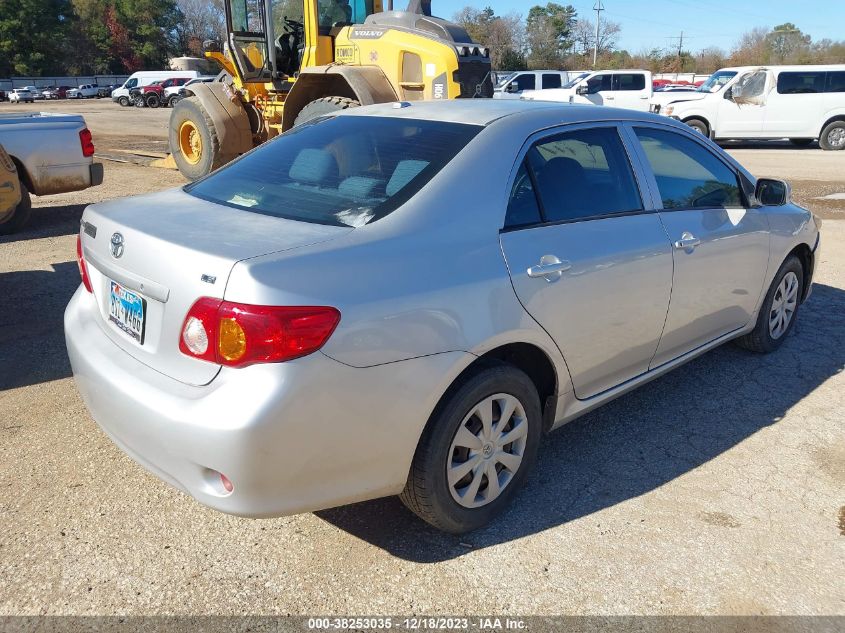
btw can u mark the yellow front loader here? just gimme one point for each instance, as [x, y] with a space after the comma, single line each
[290, 61]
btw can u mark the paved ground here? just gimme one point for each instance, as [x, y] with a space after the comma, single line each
[716, 489]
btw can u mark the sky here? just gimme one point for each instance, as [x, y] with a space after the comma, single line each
[648, 24]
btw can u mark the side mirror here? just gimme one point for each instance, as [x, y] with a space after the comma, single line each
[729, 94]
[211, 46]
[582, 90]
[513, 87]
[772, 193]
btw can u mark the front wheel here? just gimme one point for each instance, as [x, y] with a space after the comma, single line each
[123, 101]
[173, 100]
[193, 139]
[699, 126]
[138, 101]
[779, 311]
[833, 136]
[153, 101]
[476, 451]
[323, 107]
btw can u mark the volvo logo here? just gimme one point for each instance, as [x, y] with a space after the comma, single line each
[116, 245]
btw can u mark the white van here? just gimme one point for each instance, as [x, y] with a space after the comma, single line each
[514, 85]
[801, 103]
[145, 78]
[630, 89]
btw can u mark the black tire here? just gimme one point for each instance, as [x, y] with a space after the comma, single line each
[123, 101]
[427, 492]
[20, 216]
[324, 106]
[191, 110]
[760, 338]
[699, 126]
[801, 142]
[833, 136]
[153, 100]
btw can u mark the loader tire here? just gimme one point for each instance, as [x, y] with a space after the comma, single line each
[193, 139]
[17, 219]
[324, 106]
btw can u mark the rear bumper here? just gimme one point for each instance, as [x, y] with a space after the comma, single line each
[292, 437]
[54, 179]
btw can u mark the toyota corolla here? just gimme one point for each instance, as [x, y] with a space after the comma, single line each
[405, 298]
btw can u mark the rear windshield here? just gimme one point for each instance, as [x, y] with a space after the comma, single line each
[342, 171]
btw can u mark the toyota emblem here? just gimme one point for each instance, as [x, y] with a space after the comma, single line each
[116, 245]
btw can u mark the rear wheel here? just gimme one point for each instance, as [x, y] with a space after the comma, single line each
[193, 139]
[138, 101]
[324, 106]
[833, 136]
[18, 218]
[801, 142]
[476, 451]
[699, 126]
[780, 309]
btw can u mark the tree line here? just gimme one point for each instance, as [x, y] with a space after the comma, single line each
[85, 37]
[553, 36]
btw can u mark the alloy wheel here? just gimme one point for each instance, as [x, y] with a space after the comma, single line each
[487, 450]
[836, 137]
[783, 305]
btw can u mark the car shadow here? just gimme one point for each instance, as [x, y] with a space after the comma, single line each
[636, 443]
[49, 222]
[32, 340]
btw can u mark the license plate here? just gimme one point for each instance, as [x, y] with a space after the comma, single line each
[127, 310]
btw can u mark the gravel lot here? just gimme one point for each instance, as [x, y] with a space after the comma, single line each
[715, 489]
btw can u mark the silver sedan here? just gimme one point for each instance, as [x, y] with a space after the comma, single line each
[404, 298]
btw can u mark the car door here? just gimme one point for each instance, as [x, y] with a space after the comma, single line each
[519, 84]
[630, 91]
[599, 88]
[720, 243]
[587, 261]
[741, 111]
[795, 105]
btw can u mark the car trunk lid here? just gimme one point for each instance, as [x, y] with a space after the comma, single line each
[151, 257]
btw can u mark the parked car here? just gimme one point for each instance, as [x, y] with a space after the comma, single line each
[53, 154]
[801, 103]
[517, 84]
[145, 78]
[86, 91]
[57, 92]
[714, 84]
[174, 93]
[21, 95]
[620, 88]
[37, 92]
[105, 91]
[597, 249]
[3, 95]
[13, 198]
[153, 96]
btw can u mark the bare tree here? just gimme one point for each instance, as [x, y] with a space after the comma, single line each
[202, 20]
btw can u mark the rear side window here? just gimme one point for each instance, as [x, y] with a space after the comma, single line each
[522, 205]
[583, 174]
[526, 82]
[342, 171]
[835, 82]
[551, 80]
[791, 83]
[630, 81]
[688, 175]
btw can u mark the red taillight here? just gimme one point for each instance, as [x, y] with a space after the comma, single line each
[83, 267]
[238, 334]
[87, 142]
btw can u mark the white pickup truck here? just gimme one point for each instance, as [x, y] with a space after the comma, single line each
[618, 88]
[53, 153]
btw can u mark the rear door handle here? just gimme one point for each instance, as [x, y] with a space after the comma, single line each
[551, 268]
[688, 241]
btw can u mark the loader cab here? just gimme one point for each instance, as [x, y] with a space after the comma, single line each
[273, 39]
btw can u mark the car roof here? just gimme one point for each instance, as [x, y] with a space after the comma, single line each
[485, 111]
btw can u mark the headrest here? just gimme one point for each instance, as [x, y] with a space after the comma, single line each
[314, 167]
[404, 173]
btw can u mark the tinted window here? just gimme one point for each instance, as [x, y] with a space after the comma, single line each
[526, 82]
[632, 81]
[688, 175]
[522, 205]
[835, 82]
[584, 174]
[790, 83]
[345, 171]
[551, 81]
[599, 83]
